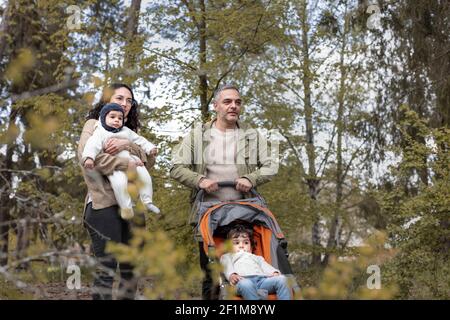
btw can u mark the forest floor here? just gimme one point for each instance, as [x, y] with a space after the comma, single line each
[59, 291]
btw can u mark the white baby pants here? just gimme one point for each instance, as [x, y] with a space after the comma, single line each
[119, 184]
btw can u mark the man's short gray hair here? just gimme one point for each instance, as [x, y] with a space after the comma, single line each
[222, 88]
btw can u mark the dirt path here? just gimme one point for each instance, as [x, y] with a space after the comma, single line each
[59, 291]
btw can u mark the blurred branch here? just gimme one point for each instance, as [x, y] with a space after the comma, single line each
[31, 171]
[58, 217]
[51, 89]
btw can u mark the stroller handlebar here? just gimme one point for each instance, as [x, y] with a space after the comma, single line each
[223, 184]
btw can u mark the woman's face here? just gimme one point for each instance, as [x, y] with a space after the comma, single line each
[122, 96]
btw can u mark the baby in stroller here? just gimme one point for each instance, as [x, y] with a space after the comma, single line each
[253, 277]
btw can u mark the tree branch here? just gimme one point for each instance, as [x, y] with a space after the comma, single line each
[178, 61]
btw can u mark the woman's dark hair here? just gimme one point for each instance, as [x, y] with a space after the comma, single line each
[133, 116]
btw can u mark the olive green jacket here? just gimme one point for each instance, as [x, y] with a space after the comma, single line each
[252, 159]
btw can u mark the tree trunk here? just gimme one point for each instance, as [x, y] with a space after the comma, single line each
[4, 29]
[311, 179]
[133, 18]
[203, 80]
[22, 240]
[5, 201]
[4, 228]
[132, 40]
[333, 240]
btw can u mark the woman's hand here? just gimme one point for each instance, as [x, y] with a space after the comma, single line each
[132, 164]
[88, 164]
[153, 152]
[114, 145]
[234, 278]
[139, 162]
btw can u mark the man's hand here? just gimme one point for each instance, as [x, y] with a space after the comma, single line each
[88, 164]
[234, 278]
[114, 145]
[243, 185]
[208, 185]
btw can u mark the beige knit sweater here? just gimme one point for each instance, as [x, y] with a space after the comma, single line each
[220, 158]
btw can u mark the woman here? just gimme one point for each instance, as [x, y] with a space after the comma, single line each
[101, 216]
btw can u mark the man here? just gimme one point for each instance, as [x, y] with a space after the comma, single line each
[224, 149]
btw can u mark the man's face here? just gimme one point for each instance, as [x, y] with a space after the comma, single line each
[242, 243]
[228, 106]
[114, 119]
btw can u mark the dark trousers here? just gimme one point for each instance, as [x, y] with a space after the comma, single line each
[209, 290]
[106, 225]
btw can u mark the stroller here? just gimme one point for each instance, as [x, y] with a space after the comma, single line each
[215, 219]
